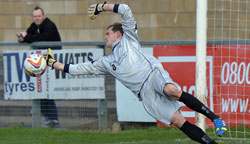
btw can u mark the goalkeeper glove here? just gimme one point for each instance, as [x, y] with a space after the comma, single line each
[95, 9]
[49, 58]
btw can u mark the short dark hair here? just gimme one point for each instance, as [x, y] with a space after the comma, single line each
[116, 27]
[38, 8]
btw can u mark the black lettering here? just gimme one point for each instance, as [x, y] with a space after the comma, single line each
[31, 87]
[6, 87]
[17, 84]
[11, 86]
[71, 59]
[83, 57]
[75, 88]
[60, 59]
[23, 87]
[77, 55]
[90, 56]
[66, 58]
[15, 87]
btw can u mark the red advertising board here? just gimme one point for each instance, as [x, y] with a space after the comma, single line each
[228, 78]
[39, 79]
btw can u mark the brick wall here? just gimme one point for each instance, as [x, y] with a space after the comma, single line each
[157, 19]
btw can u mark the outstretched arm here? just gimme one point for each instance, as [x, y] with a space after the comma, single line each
[59, 66]
[108, 7]
[128, 23]
[91, 67]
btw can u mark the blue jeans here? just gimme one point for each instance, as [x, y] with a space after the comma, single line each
[48, 109]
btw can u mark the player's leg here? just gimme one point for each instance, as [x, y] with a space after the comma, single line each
[189, 100]
[193, 103]
[192, 131]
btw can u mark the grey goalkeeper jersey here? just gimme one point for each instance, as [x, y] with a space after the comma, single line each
[127, 62]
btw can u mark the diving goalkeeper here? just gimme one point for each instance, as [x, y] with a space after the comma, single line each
[142, 74]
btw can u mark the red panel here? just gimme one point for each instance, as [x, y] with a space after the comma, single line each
[231, 77]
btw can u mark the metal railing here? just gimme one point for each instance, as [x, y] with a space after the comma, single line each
[102, 43]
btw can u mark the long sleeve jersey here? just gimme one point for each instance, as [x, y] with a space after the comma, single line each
[127, 63]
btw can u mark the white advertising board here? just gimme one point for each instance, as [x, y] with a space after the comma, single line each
[129, 108]
[52, 84]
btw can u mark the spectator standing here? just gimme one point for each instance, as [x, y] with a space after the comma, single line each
[43, 29]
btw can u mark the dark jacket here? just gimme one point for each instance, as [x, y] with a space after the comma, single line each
[46, 31]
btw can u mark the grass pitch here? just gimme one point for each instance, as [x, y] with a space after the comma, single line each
[156, 135]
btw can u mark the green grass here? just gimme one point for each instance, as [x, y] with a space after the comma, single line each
[157, 135]
[239, 129]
